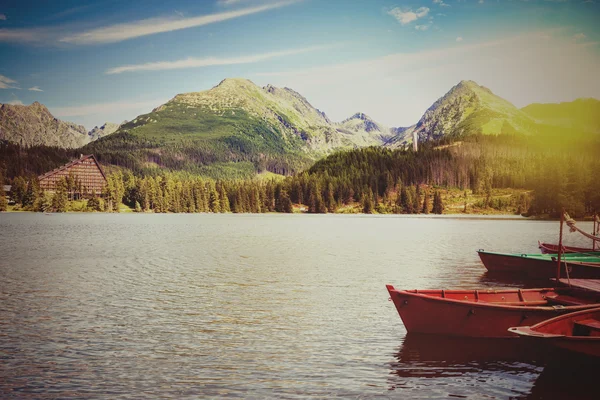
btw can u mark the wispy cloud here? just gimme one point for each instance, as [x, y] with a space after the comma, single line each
[209, 61]
[15, 102]
[228, 3]
[517, 68]
[406, 15]
[459, 39]
[441, 3]
[105, 108]
[35, 89]
[7, 83]
[2, 17]
[422, 27]
[25, 35]
[231, 3]
[130, 30]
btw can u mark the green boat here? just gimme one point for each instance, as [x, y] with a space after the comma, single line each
[573, 265]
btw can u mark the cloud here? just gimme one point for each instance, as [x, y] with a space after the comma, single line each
[441, 3]
[35, 89]
[544, 66]
[104, 108]
[228, 3]
[579, 36]
[33, 35]
[422, 27]
[406, 16]
[459, 39]
[7, 83]
[208, 61]
[131, 30]
[15, 102]
[2, 17]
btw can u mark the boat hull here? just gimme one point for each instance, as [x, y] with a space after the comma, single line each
[538, 268]
[549, 248]
[577, 332]
[422, 313]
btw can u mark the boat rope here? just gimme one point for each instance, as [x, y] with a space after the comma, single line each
[567, 271]
[573, 228]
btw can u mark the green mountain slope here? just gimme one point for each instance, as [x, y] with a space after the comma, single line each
[581, 116]
[365, 130]
[469, 108]
[234, 125]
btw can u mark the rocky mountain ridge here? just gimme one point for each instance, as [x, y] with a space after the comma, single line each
[104, 130]
[34, 125]
[278, 130]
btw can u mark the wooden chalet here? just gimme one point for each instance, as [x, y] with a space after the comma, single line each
[86, 170]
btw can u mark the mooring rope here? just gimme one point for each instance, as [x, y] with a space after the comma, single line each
[571, 223]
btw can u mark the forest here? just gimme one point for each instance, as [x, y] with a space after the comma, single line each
[552, 173]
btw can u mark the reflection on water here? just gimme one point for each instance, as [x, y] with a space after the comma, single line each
[249, 306]
[456, 367]
[444, 367]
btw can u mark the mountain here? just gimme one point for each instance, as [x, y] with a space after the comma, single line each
[104, 130]
[365, 130]
[34, 125]
[467, 108]
[231, 126]
[582, 115]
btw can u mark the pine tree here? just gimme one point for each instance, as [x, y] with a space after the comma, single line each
[416, 200]
[438, 206]
[368, 202]
[425, 209]
[330, 201]
[93, 203]
[403, 200]
[60, 199]
[224, 205]
[3, 200]
[44, 202]
[18, 190]
[215, 202]
[286, 203]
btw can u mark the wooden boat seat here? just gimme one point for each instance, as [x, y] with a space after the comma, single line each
[586, 327]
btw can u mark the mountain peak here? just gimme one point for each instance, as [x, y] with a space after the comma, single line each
[34, 125]
[361, 116]
[467, 83]
[363, 124]
[471, 108]
[235, 82]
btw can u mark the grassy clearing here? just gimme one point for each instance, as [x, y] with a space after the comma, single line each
[501, 201]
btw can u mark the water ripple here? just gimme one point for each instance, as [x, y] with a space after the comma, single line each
[188, 306]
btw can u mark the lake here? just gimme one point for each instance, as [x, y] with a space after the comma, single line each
[253, 306]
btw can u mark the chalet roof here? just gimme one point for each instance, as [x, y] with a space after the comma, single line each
[6, 188]
[70, 164]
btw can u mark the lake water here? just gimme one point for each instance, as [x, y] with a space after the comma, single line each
[252, 306]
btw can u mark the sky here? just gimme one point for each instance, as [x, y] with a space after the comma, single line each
[100, 61]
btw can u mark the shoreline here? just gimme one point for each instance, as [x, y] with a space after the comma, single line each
[472, 216]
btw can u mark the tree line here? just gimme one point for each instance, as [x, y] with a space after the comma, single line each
[369, 180]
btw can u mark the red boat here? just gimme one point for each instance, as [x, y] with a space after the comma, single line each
[485, 313]
[578, 332]
[548, 248]
[541, 266]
